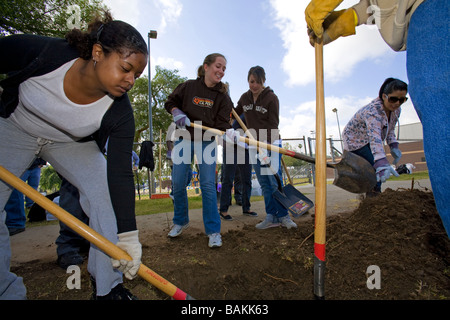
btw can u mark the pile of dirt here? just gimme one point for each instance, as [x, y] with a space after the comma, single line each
[398, 231]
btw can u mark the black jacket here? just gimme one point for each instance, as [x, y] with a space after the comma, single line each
[25, 56]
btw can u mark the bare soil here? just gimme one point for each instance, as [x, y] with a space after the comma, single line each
[399, 231]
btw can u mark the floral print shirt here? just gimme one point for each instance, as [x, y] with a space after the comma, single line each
[370, 125]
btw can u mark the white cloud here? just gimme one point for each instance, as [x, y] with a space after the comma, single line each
[169, 63]
[170, 11]
[340, 57]
[301, 120]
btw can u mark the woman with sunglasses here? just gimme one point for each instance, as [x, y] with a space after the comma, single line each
[365, 133]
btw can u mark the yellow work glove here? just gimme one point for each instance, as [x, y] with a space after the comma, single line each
[317, 11]
[338, 24]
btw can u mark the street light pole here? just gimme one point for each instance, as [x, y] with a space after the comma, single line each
[339, 128]
[151, 35]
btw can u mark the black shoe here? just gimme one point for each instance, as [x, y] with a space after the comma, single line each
[13, 231]
[69, 259]
[119, 292]
[226, 217]
[250, 213]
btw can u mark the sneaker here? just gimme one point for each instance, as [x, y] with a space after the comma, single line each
[119, 292]
[177, 230]
[287, 222]
[268, 223]
[215, 240]
[250, 213]
[69, 259]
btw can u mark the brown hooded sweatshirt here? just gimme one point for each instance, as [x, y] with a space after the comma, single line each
[261, 115]
[211, 106]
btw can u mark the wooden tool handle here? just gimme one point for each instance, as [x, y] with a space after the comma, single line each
[90, 234]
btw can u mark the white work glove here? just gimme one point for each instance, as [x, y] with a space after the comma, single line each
[384, 170]
[129, 241]
[231, 136]
[263, 157]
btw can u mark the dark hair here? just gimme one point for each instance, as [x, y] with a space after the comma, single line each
[209, 59]
[259, 74]
[390, 85]
[112, 35]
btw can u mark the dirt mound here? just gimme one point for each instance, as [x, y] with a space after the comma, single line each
[398, 231]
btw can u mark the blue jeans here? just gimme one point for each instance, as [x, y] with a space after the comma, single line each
[269, 183]
[428, 68]
[15, 207]
[366, 153]
[15, 210]
[182, 155]
[238, 158]
[32, 177]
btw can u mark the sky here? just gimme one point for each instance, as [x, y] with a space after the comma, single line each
[271, 34]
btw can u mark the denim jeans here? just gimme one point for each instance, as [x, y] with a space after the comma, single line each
[32, 177]
[15, 207]
[15, 210]
[182, 156]
[428, 67]
[237, 158]
[269, 183]
[366, 153]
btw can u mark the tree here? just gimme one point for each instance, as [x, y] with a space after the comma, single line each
[50, 181]
[46, 17]
[163, 83]
[290, 161]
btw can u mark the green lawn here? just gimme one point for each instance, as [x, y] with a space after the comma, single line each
[147, 206]
[152, 206]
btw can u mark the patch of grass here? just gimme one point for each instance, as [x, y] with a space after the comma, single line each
[152, 206]
[419, 175]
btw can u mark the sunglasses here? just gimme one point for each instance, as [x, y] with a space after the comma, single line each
[392, 99]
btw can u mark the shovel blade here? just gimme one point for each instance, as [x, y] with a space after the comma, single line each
[354, 174]
[293, 200]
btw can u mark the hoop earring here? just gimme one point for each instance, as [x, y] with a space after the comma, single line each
[95, 63]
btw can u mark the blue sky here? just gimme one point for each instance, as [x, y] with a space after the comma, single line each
[272, 34]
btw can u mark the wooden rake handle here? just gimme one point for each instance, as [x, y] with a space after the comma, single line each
[91, 235]
[244, 127]
[260, 144]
